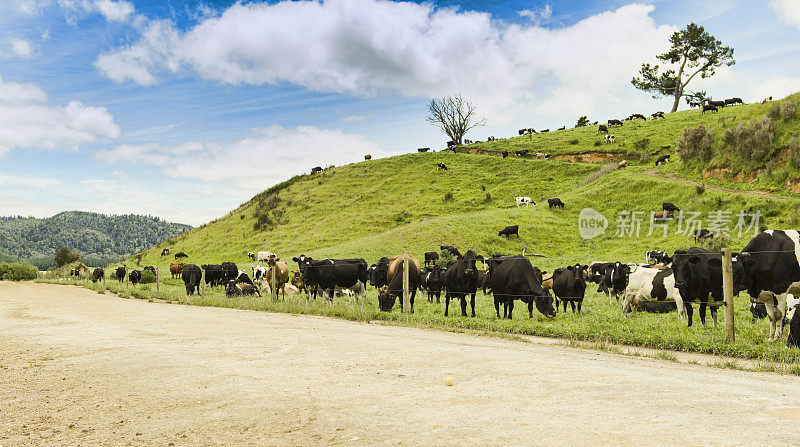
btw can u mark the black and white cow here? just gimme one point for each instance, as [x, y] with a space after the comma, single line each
[657, 256]
[526, 201]
[165, 252]
[509, 230]
[521, 153]
[251, 256]
[664, 159]
[514, 278]
[614, 122]
[441, 167]
[771, 263]
[651, 285]
[432, 282]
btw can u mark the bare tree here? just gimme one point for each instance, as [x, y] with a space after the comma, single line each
[454, 115]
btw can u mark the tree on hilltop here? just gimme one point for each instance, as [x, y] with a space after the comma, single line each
[454, 115]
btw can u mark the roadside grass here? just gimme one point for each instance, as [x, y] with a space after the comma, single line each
[601, 323]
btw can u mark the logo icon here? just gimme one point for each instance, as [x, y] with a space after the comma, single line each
[591, 223]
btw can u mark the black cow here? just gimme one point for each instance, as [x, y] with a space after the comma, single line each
[556, 202]
[453, 250]
[717, 103]
[329, 274]
[662, 159]
[460, 280]
[514, 278]
[243, 278]
[522, 131]
[614, 122]
[180, 255]
[377, 273]
[504, 153]
[658, 307]
[229, 272]
[431, 281]
[165, 252]
[698, 277]
[600, 274]
[709, 108]
[316, 170]
[509, 230]
[191, 275]
[703, 233]
[617, 279]
[120, 274]
[544, 131]
[638, 116]
[441, 167]
[98, 274]
[150, 269]
[771, 271]
[431, 257]
[602, 128]
[423, 149]
[569, 285]
[451, 144]
[214, 274]
[562, 128]
[135, 277]
[669, 207]
[521, 153]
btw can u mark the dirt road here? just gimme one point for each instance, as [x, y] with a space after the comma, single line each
[654, 172]
[78, 368]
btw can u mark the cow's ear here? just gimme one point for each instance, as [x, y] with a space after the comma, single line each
[569, 267]
[295, 259]
[544, 272]
[714, 262]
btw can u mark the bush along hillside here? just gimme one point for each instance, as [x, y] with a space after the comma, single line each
[98, 238]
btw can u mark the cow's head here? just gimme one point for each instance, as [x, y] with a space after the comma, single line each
[385, 300]
[683, 265]
[470, 269]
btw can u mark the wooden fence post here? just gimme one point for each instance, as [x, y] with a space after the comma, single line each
[202, 281]
[406, 297]
[158, 280]
[727, 292]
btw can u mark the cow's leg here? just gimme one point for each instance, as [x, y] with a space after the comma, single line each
[510, 307]
[472, 302]
[572, 305]
[689, 311]
[530, 308]
[771, 314]
[446, 302]
[497, 307]
[464, 306]
[413, 293]
[579, 305]
[703, 305]
[681, 307]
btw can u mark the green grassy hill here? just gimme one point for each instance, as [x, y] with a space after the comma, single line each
[403, 204]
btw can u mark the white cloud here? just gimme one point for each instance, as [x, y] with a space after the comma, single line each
[353, 118]
[368, 47]
[8, 180]
[29, 7]
[788, 10]
[26, 121]
[778, 87]
[22, 48]
[265, 156]
[113, 11]
[538, 17]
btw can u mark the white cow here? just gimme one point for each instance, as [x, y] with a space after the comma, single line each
[640, 289]
[263, 256]
[526, 200]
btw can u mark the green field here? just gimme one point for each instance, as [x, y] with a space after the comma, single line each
[388, 206]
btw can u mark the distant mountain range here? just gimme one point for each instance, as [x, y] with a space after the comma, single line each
[99, 238]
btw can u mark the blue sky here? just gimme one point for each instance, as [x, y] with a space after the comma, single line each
[186, 108]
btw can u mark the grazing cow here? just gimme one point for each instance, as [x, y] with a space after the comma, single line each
[213, 274]
[504, 153]
[544, 131]
[451, 143]
[229, 272]
[316, 170]
[135, 276]
[180, 255]
[771, 263]
[658, 256]
[521, 153]
[542, 156]
[525, 200]
[522, 131]
[638, 116]
[555, 202]
[614, 122]
[98, 274]
[757, 310]
[165, 252]
[651, 285]
[609, 139]
[263, 256]
[622, 164]
[239, 289]
[191, 278]
[664, 159]
[277, 271]
[766, 100]
[569, 285]
[709, 108]
[441, 167]
[509, 230]
[453, 250]
[431, 257]
[669, 207]
[150, 269]
[329, 274]
[717, 103]
[662, 215]
[120, 273]
[367, 157]
[602, 128]
[461, 279]
[562, 128]
[423, 149]
[514, 278]
[703, 234]
[251, 256]
[175, 269]
[431, 281]
[490, 139]
[394, 280]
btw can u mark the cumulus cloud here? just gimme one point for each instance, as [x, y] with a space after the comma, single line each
[113, 11]
[27, 121]
[778, 87]
[265, 156]
[21, 48]
[540, 16]
[789, 10]
[368, 47]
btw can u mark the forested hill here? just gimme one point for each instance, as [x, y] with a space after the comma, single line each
[97, 237]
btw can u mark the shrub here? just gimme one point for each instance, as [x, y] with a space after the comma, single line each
[789, 110]
[448, 197]
[148, 277]
[582, 122]
[700, 189]
[696, 143]
[597, 143]
[641, 145]
[573, 141]
[66, 256]
[774, 111]
[18, 272]
[751, 141]
[488, 198]
[794, 153]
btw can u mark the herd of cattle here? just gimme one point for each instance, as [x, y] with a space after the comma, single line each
[768, 268]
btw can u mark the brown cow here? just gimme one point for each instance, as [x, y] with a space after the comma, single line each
[662, 215]
[176, 268]
[367, 157]
[394, 279]
[297, 281]
[281, 272]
